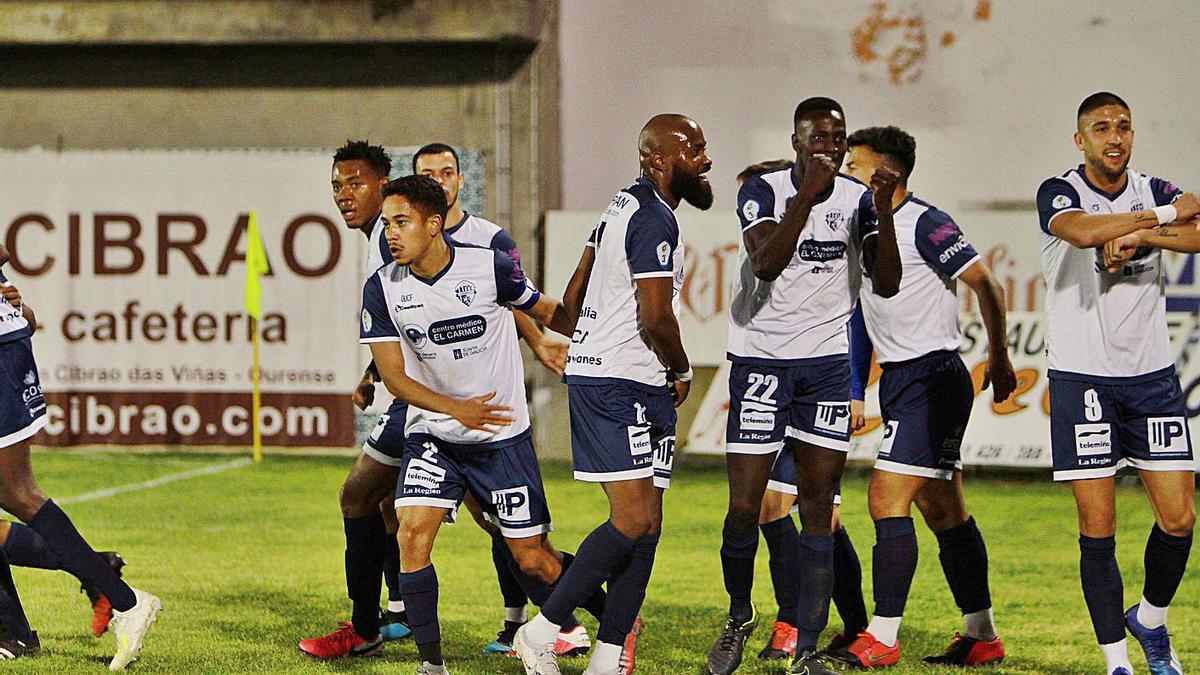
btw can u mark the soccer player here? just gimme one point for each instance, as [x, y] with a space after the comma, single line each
[779, 499]
[802, 233]
[926, 397]
[439, 328]
[1115, 399]
[22, 414]
[627, 371]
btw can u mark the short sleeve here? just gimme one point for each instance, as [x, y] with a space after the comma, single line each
[860, 354]
[1164, 191]
[942, 244]
[512, 288]
[376, 323]
[3, 279]
[867, 216]
[1056, 196]
[650, 242]
[502, 241]
[756, 202]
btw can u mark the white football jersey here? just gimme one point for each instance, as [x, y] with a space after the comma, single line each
[922, 317]
[803, 313]
[637, 238]
[378, 254]
[1100, 323]
[457, 335]
[13, 325]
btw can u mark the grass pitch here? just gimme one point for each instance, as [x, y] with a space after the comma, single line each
[249, 561]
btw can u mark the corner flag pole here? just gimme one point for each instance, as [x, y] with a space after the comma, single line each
[256, 266]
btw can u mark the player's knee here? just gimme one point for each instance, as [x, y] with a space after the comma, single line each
[742, 519]
[22, 501]
[635, 525]
[1179, 524]
[535, 562]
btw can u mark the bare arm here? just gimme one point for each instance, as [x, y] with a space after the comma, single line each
[577, 287]
[884, 262]
[660, 330]
[1089, 231]
[474, 413]
[552, 314]
[980, 279]
[771, 244]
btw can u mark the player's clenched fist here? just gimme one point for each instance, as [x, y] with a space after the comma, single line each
[1187, 207]
[818, 176]
[11, 295]
[1119, 251]
[883, 182]
[476, 413]
[1002, 378]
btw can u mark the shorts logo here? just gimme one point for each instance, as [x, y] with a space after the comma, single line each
[1093, 439]
[366, 321]
[1061, 202]
[1167, 435]
[639, 440]
[30, 378]
[415, 335]
[465, 291]
[664, 253]
[750, 210]
[833, 219]
[512, 504]
[757, 420]
[833, 416]
[664, 456]
[422, 474]
[889, 437]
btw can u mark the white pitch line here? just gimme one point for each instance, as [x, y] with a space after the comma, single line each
[156, 482]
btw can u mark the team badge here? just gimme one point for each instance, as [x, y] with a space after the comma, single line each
[1061, 202]
[465, 291]
[664, 253]
[833, 219]
[750, 209]
[366, 320]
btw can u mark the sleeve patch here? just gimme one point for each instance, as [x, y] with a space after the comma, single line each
[664, 253]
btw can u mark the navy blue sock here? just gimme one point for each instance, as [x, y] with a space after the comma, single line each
[738, 548]
[420, 590]
[26, 548]
[12, 615]
[594, 605]
[627, 592]
[510, 587]
[69, 547]
[1102, 587]
[964, 561]
[783, 546]
[847, 584]
[601, 554]
[391, 566]
[365, 547]
[814, 570]
[894, 564]
[1165, 560]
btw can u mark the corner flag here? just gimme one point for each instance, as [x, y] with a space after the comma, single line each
[256, 266]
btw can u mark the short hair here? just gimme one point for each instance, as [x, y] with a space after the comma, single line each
[435, 149]
[763, 167]
[1099, 100]
[374, 155]
[892, 142]
[423, 192]
[816, 104]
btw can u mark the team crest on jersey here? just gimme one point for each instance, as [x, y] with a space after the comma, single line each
[465, 290]
[1136, 206]
[750, 209]
[415, 335]
[833, 219]
[1061, 202]
[664, 253]
[366, 320]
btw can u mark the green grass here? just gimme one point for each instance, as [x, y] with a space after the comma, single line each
[249, 561]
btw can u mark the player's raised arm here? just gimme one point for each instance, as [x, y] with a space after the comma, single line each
[770, 244]
[1180, 238]
[883, 263]
[1062, 216]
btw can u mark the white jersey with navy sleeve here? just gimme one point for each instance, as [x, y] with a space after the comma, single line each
[637, 238]
[482, 232]
[13, 325]
[922, 317]
[802, 314]
[457, 335]
[1100, 323]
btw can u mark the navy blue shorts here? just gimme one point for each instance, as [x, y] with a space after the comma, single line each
[1098, 425]
[386, 442]
[809, 402]
[506, 482]
[925, 403]
[783, 476]
[22, 407]
[622, 432]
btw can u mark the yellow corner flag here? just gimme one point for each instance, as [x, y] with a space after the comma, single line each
[256, 266]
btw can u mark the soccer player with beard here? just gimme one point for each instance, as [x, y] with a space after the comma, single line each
[627, 371]
[802, 233]
[1115, 398]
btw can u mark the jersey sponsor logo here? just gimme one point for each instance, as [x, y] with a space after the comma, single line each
[833, 219]
[1167, 435]
[943, 233]
[366, 321]
[833, 416]
[461, 329]
[463, 352]
[664, 253]
[415, 335]
[889, 437]
[512, 504]
[465, 292]
[1060, 202]
[750, 210]
[812, 250]
[1093, 439]
[955, 249]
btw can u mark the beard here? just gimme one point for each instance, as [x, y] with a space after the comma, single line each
[1099, 166]
[692, 189]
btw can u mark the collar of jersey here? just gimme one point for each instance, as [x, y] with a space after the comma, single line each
[907, 198]
[1110, 196]
[459, 224]
[653, 188]
[439, 275]
[367, 230]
